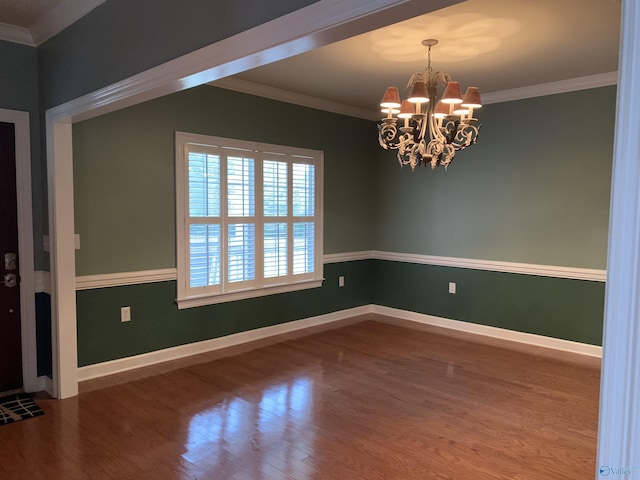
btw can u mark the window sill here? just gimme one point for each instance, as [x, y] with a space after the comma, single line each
[199, 301]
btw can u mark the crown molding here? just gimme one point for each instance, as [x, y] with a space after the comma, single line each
[50, 24]
[544, 89]
[60, 17]
[15, 34]
[287, 96]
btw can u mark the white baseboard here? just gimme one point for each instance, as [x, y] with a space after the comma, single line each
[45, 384]
[147, 359]
[493, 332]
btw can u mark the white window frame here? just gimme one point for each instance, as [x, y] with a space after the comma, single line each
[188, 297]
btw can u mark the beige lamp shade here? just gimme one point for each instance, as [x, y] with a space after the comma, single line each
[418, 93]
[406, 110]
[452, 93]
[391, 98]
[472, 98]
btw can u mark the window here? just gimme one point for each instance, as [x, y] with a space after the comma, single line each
[249, 219]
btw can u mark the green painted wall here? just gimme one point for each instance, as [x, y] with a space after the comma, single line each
[156, 322]
[554, 307]
[535, 189]
[499, 204]
[124, 172]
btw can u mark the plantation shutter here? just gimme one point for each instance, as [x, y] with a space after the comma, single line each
[248, 219]
[204, 219]
[241, 215]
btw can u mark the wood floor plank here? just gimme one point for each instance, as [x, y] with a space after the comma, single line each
[369, 401]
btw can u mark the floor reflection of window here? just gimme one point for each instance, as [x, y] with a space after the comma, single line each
[256, 437]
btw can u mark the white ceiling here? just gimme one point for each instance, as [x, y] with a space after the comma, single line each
[24, 13]
[496, 45]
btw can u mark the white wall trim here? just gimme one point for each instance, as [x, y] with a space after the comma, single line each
[552, 88]
[308, 28]
[201, 301]
[64, 341]
[174, 353]
[16, 34]
[25, 245]
[508, 336]
[493, 332]
[45, 384]
[273, 93]
[497, 266]
[347, 256]
[86, 282]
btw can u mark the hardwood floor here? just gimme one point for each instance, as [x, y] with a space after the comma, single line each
[366, 401]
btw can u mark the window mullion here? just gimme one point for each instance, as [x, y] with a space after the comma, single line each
[224, 221]
[259, 218]
[289, 218]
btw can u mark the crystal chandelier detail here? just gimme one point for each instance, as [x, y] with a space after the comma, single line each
[432, 132]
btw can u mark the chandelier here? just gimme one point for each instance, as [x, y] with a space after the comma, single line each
[432, 132]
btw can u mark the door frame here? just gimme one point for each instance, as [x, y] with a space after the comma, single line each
[25, 245]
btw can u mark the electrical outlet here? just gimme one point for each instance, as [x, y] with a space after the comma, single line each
[341, 281]
[452, 287]
[125, 314]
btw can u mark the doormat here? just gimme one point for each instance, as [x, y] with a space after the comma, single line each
[14, 408]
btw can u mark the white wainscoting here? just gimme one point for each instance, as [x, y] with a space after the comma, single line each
[508, 336]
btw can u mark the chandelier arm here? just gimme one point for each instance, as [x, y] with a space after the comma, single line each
[435, 131]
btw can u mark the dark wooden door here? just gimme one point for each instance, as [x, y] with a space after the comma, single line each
[10, 340]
